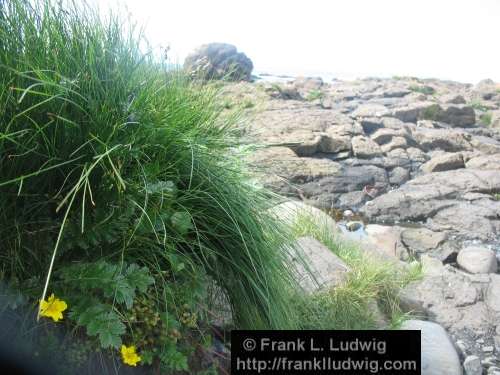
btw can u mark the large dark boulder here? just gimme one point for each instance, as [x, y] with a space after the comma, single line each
[219, 61]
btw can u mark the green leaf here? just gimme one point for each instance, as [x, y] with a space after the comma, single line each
[181, 221]
[138, 277]
[103, 322]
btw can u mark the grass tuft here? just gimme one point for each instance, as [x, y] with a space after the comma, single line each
[371, 284]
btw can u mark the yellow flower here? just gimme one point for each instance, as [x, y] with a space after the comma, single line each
[53, 308]
[129, 355]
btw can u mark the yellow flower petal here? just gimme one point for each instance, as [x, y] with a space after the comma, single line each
[129, 355]
[53, 308]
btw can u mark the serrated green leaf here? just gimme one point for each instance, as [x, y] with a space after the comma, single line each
[181, 221]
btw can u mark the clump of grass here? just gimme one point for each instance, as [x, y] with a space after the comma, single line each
[423, 89]
[432, 112]
[315, 95]
[248, 103]
[496, 196]
[478, 105]
[108, 154]
[485, 119]
[371, 282]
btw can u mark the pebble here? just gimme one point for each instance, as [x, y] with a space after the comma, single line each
[348, 213]
[489, 361]
[462, 348]
[472, 365]
[488, 349]
[480, 341]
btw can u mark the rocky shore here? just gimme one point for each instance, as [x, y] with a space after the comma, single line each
[410, 167]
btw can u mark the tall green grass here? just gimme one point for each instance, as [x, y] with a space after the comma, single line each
[106, 153]
[369, 293]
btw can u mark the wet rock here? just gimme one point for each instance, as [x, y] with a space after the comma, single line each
[322, 268]
[472, 365]
[444, 162]
[439, 356]
[476, 259]
[364, 147]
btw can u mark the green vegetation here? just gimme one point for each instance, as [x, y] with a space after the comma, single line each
[432, 112]
[485, 119]
[370, 282]
[477, 104]
[120, 188]
[496, 196]
[314, 95]
[124, 203]
[423, 89]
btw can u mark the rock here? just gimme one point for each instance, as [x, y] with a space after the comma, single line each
[439, 356]
[427, 195]
[292, 211]
[219, 61]
[485, 144]
[476, 259]
[322, 268]
[493, 293]
[396, 142]
[452, 99]
[386, 239]
[491, 162]
[450, 140]
[421, 240]
[385, 135]
[457, 115]
[370, 110]
[398, 176]
[444, 162]
[413, 111]
[305, 85]
[334, 143]
[472, 365]
[364, 147]
[449, 298]
[487, 89]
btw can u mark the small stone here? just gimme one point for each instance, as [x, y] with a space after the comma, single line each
[477, 259]
[488, 349]
[472, 365]
[348, 213]
[439, 356]
[462, 348]
[480, 341]
[489, 361]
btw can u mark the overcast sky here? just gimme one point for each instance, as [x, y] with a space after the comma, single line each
[448, 39]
